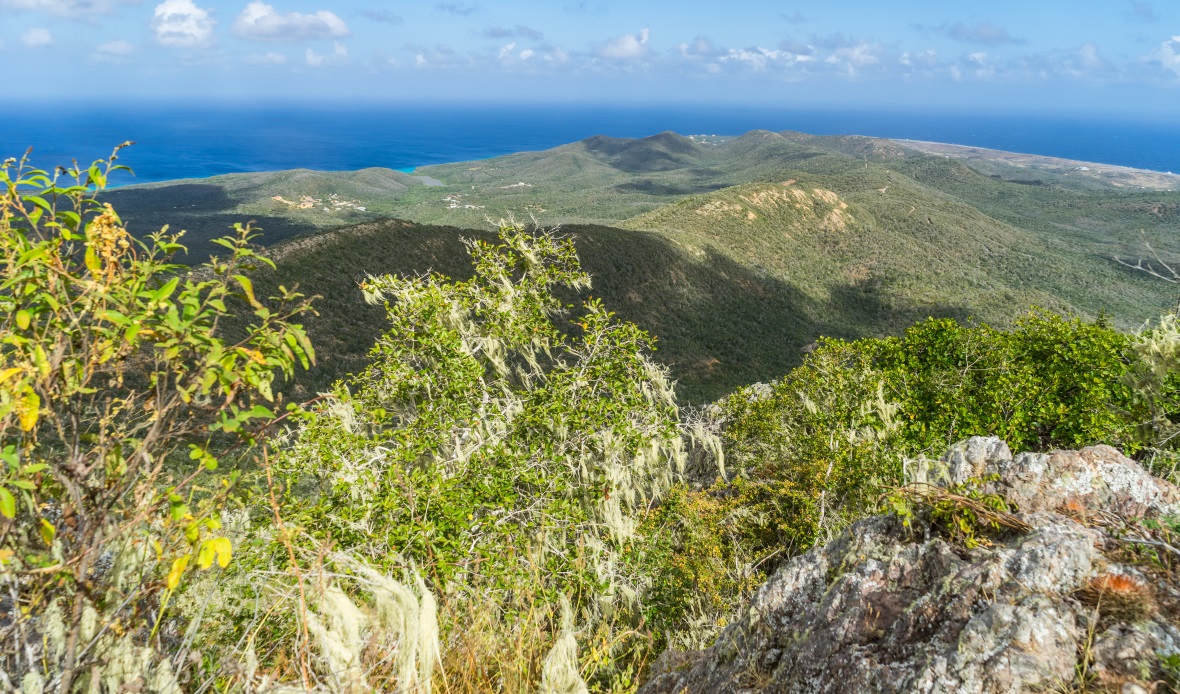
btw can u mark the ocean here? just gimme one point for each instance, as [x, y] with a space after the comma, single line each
[194, 141]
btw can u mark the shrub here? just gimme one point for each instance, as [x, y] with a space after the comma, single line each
[118, 391]
[825, 441]
[506, 463]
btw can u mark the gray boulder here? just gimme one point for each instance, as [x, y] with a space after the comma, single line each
[882, 609]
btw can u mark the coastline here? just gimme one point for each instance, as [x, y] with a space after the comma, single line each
[1113, 174]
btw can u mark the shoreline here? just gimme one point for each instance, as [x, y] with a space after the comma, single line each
[1083, 162]
[1113, 174]
[1134, 177]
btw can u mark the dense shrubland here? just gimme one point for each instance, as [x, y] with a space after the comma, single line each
[507, 497]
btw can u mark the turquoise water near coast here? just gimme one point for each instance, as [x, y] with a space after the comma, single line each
[195, 141]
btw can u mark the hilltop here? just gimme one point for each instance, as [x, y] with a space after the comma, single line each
[737, 252]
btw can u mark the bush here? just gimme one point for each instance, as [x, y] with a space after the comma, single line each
[118, 391]
[821, 445]
[486, 457]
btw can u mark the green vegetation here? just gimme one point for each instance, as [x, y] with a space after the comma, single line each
[505, 494]
[118, 397]
[732, 298]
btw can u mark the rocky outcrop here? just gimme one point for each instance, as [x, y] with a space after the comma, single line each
[886, 608]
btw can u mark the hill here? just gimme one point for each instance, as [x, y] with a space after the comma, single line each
[283, 203]
[737, 252]
[720, 324]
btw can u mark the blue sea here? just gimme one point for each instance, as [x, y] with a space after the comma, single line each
[192, 141]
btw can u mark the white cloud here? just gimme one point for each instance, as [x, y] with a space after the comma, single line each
[37, 37]
[116, 52]
[627, 46]
[261, 22]
[266, 59]
[180, 23]
[506, 52]
[1167, 55]
[338, 55]
[700, 47]
[981, 63]
[855, 58]
[68, 9]
[925, 60]
[527, 53]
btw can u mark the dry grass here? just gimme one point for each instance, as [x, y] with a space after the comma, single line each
[1119, 597]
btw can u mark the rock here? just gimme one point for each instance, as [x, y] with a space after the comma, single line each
[1124, 650]
[975, 457]
[1093, 479]
[882, 609]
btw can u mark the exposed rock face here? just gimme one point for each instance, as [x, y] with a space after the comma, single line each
[882, 610]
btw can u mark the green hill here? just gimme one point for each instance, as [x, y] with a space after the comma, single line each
[737, 252]
[207, 208]
[720, 323]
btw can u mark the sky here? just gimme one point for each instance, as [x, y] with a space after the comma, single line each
[1119, 56]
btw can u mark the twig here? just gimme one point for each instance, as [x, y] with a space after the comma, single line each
[304, 636]
[1154, 543]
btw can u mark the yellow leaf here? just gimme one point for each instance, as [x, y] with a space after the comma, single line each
[5, 556]
[248, 289]
[29, 409]
[205, 555]
[178, 566]
[225, 551]
[9, 373]
[255, 355]
[48, 532]
[23, 318]
[92, 261]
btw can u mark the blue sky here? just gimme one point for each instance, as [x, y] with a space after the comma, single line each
[1110, 55]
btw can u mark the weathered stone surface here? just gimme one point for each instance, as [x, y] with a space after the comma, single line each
[1092, 479]
[1124, 650]
[882, 610]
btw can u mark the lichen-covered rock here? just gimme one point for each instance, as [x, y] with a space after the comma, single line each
[881, 609]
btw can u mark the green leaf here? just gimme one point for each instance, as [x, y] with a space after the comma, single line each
[7, 503]
[97, 177]
[71, 218]
[257, 411]
[39, 202]
[163, 293]
[23, 318]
